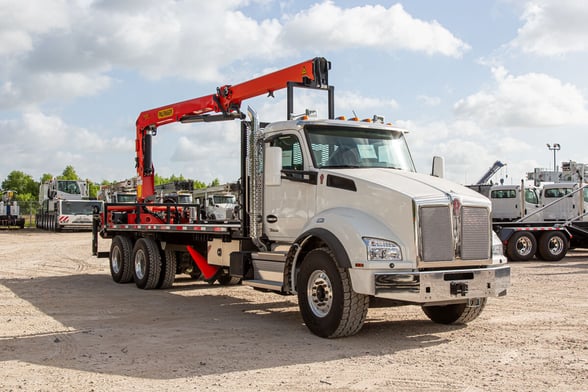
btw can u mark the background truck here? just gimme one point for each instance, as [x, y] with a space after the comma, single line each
[179, 192]
[10, 212]
[512, 202]
[65, 205]
[119, 192]
[218, 203]
[548, 232]
[332, 211]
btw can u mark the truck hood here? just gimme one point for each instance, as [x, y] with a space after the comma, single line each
[413, 185]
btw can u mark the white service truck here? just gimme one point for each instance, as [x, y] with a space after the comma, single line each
[512, 202]
[332, 211]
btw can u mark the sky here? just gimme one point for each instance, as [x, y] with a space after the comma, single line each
[472, 81]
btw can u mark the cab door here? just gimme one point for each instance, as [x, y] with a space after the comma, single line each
[289, 205]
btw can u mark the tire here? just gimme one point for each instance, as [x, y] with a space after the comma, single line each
[329, 306]
[147, 263]
[553, 246]
[228, 280]
[121, 252]
[521, 246]
[455, 313]
[168, 269]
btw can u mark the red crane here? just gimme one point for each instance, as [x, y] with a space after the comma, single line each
[227, 101]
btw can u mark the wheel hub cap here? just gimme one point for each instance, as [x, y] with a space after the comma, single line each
[320, 293]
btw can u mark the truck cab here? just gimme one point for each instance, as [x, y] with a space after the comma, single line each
[561, 202]
[512, 202]
[351, 190]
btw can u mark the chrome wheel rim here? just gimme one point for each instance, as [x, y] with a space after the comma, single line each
[524, 246]
[320, 293]
[140, 264]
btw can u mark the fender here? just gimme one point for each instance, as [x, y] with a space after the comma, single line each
[343, 230]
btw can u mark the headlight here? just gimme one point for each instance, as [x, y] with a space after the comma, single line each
[380, 250]
[497, 249]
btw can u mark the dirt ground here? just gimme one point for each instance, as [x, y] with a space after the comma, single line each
[66, 326]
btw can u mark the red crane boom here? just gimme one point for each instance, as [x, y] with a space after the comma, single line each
[227, 100]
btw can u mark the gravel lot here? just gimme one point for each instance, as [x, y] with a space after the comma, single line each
[66, 326]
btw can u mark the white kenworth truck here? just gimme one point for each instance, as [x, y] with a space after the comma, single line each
[332, 211]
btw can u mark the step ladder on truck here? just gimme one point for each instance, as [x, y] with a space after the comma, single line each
[331, 211]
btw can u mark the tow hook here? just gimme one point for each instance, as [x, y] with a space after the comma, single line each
[459, 288]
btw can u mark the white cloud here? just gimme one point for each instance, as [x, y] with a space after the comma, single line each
[529, 100]
[54, 49]
[326, 25]
[553, 27]
[39, 143]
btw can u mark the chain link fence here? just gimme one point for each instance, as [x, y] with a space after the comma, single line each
[28, 210]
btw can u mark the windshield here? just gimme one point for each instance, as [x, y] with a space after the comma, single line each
[68, 186]
[79, 207]
[338, 147]
[227, 199]
[126, 198]
[184, 199]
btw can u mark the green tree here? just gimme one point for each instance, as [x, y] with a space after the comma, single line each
[69, 173]
[46, 177]
[215, 182]
[21, 183]
[93, 189]
[199, 184]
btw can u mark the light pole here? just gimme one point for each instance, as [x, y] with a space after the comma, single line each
[554, 148]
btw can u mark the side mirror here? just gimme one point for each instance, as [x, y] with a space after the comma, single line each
[438, 169]
[273, 166]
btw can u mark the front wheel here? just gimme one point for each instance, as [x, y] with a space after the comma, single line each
[461, 313]
[329, 306]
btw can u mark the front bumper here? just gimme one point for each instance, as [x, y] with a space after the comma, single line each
[422, 287]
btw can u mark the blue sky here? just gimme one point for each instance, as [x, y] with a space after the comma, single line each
[473, 81]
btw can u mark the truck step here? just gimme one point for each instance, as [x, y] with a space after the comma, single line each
[264, 284]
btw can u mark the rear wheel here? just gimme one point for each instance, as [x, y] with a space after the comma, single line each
[553, 246]
[329, 306]
[147, 263]
[168, 269]
[522, 246]
[121, 252]
[461, 313]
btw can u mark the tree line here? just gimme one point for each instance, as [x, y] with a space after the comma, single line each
[27, 188]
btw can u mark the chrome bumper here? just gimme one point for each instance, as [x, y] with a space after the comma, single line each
[432, 286]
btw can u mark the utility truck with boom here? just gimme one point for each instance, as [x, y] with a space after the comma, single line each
[332, 211]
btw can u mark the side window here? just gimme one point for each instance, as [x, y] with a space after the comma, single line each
[291, 152]
[531, 196]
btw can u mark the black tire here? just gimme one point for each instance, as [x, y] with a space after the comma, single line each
[329, 306]
[58, 228]
[553, 246]
[228, 280]
[455, 313]
[522, 246]
[168, 269]
[146, 263]
[121, 253]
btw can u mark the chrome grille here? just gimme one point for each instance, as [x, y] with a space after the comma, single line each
[436, 233]
[475, 233]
